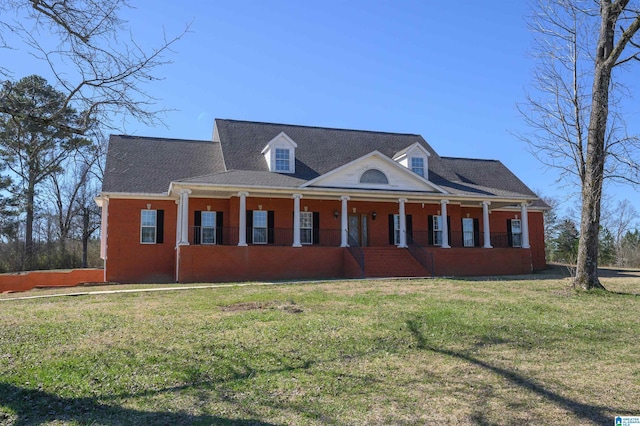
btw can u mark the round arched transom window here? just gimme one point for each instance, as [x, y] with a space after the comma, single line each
[374, 176]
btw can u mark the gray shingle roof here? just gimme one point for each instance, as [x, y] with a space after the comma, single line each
[249, 178]
[149, 165]
[485, 175]
[320, 149]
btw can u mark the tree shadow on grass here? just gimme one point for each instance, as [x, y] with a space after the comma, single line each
[594, 413]
[34, 407]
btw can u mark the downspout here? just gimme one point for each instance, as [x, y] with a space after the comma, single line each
[178, 238]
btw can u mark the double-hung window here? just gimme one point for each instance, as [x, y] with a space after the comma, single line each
[208, 228]
[516, 232]
[467, 232]
[437, 230]
[417, 165]
[282, 160]
[259, 227]
[148, 223]
[306, 227]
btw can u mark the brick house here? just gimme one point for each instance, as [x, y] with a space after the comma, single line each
[263, 201]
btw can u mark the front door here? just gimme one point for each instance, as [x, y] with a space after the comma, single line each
[358, 231]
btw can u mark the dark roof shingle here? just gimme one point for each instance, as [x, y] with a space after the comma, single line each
[149, 165]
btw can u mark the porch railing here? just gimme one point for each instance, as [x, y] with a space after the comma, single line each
[229, 236]
[357, 253]
[498, 240]
[419, 253]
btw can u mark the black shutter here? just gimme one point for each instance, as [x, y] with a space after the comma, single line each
[449, 229]
[430, 229]
[391, 236]
[249, 226]
[509, 234]
[270, 225]
[197, 223]
[316, 227]
[160, 226]
[219, 228]
[409, 225]
[476, 232]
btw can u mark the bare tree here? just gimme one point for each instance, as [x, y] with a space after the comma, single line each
[572, 112]
[619, 219]
[81, 42]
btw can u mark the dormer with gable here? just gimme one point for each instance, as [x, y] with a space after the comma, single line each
[415, 158]
[280, 154]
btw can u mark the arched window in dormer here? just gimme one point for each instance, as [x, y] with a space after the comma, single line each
[374, 176]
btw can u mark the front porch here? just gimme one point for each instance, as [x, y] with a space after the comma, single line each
[280, 238]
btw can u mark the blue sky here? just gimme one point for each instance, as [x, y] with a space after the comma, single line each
[450, 71]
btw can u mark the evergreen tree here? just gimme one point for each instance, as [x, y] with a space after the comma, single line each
[35, 145]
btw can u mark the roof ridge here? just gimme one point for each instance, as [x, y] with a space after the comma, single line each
[467, 158]
[318, 127]
[163, 138]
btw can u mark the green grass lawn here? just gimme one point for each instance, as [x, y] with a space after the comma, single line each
[521, 351]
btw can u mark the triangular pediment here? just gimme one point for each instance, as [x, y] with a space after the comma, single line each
[362, 173]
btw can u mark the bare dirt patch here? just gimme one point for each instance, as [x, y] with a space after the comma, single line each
[290, 307]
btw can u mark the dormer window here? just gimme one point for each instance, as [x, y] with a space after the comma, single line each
[282, 160]
[417, 165]
[415, 158]
[280, 154]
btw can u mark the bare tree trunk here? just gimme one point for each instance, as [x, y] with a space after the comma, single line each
[587, 264]
[28, 233]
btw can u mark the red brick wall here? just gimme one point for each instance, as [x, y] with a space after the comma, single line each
[24, 281]
[478, 261]
[128, 260]
[231, 263]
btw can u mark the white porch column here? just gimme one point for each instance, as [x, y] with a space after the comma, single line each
[242, 231]
[445, 226]
[296, 220]
[178, 221]
[183, 220]
[525, 225]
[403, 224]
[103, 227]
[344, 241]
[485, 224]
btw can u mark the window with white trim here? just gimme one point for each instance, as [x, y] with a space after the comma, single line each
[306, 227]
[208, 228]
[148, 226]
[516, 232]
[259, 227]
[467, 232]
[437, 230]
[282, 160]
[417, 165]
